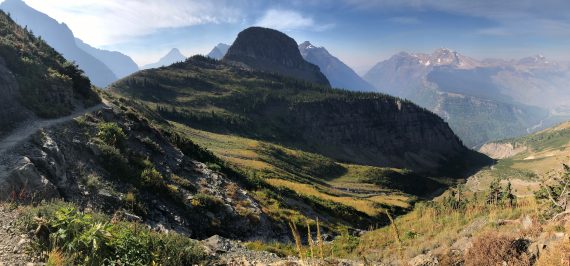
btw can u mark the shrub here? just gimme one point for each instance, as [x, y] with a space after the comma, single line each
[206, 201]
[93, 240]
[152, 145]
[152, 178]
[93, 182]
[114, 162]
[498, 249]
[183, 182]
[111, 134]
[214, 167]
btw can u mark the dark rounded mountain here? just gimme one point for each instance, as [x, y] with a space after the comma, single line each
[272, 51]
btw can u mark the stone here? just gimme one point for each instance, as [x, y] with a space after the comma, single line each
[424, 260]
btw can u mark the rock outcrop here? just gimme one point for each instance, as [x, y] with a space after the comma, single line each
[271, 51]
[11, 111]
[497, 150]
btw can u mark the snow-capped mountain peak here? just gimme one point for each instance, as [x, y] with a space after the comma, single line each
[307, 45]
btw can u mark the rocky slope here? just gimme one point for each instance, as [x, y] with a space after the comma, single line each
[60, 37]
[338, 73]
[369, 129]
[173, 191]
[271, 51]
[37, 81]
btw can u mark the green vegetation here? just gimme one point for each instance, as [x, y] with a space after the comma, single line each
[111, 134]
[93, 239]
[220, 98]
[353, 194]
[48, 83]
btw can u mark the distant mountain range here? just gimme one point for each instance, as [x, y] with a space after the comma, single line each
[241, 95]
[219, 51]
[102, 67]
[482, 100]
[339, 74]
[121, 64]
[170, 58]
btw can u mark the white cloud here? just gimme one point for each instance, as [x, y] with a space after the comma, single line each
[287, 20]
[105, 22]
[512, 17]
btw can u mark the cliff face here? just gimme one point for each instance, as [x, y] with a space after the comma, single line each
[11, 112]
[380, 132]
[271, 51]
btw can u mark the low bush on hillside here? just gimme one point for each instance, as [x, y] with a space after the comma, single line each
[498, 249]
[92, 239]
[111, 134]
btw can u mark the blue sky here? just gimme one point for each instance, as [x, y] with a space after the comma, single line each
[359, 32]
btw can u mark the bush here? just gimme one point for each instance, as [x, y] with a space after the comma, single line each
[111, 134]
[93, 240]
[205, 201]
[114, 162]
[494, 249]
[152, 178]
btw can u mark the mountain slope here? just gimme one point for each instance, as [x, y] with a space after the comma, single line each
[170, 58]
[536, 153]
[271, 51]
[37, 81]
[60, 37]
[460, 89]
[370, 129]
[338, 73]
[121, 65]
[219, 51]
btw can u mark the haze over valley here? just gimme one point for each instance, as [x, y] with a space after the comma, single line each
[295, 133]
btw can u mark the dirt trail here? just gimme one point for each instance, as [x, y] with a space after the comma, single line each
[13, 244]
[31, 127]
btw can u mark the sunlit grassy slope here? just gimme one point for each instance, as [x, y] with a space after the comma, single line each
[538, 154]
[367, 189]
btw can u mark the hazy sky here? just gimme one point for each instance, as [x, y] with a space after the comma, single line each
[359, 32]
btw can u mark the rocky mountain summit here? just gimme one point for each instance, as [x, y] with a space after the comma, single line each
[271, 51]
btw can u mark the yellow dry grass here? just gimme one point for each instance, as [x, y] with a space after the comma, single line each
[363, 205]
[392, 200]
[430, 228]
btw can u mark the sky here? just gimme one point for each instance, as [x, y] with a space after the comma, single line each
[359, 32]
